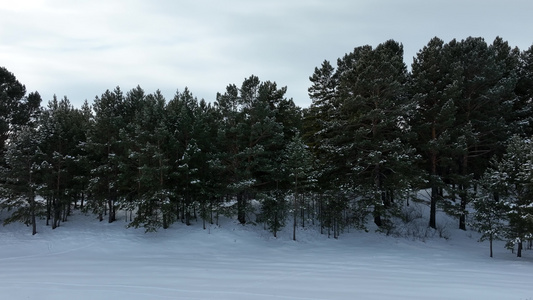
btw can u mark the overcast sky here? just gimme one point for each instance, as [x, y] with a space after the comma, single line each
[81, 48]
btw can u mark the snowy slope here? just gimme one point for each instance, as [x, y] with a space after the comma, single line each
[86, 259]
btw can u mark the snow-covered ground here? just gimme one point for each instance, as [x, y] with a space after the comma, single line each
[86, 259]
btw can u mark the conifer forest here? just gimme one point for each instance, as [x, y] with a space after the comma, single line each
[456, 124]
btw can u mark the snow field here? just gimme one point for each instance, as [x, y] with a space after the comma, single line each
[87, 259]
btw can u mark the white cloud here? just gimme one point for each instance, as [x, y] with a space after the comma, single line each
[81, 48]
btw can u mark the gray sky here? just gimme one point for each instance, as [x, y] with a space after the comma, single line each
[81, 48]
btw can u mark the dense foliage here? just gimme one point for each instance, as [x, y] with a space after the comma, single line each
[374, 135]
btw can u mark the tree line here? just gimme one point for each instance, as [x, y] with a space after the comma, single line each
[457, 124]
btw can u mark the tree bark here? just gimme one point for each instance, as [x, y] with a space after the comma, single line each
[434, 192]
[464, 194]
[295, 212]
[33, 218]
[241, 208]
[378, 198]
[490, 245]
[165, 220]
[111, 206]
[433, 208]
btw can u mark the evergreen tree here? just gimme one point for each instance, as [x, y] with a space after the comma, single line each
[507, 65]
[375, 110]
[323, 123]
[104, 146]
[62, 130]
[131, 139]
[434, 85]
[299, 164]
[252, 136]
[490, 211]
[321, 110]
[230, 163]
[81, 169]
[154, 208]
[21, 172]
[487, 94]
[16, 109]
[274, 210]
[523, 108]
[208, 185]
[511, 179]
[183, 111]
[333, 205]
[324, 130]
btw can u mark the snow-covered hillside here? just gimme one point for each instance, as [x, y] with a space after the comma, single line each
[86, 259]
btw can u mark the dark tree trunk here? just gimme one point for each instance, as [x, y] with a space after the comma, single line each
[295, 211]
[165, 220]
[65, 212]
[462, 217]
[490, 245]
[82, 196]
[56, 213]
[519, 250]
[241, 208]
[211, 204]
[217, 215]
[433, 208]
[302, 213]
[378, 201]
[33, 218]
[464, 195]
[311, 213]
[377, 219]
[187, 217]
[111, 205]
[320, 213]
[434, 193]
[275, 227]
[334, 227]
[181, 212]
[48, 210]
[100, 211]
[453, 195]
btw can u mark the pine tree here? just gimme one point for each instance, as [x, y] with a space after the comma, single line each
[511, 178]
[274, 209]
[523, 108]
[154, 207]
[104, 146]
[487, 84]
[324, 131]
[182, 112]
[490, 211]
[16, 109]
[62, 130]
[323, 123]
[299, 165]
[434, 85]
[518, 164]
[252, 136]
[81, 168]
[228, 157]
[321, 111]
[21, 178]
[375, 109]
[209, 188]
[18, 146]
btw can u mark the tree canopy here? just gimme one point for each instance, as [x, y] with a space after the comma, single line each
[374, 135]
